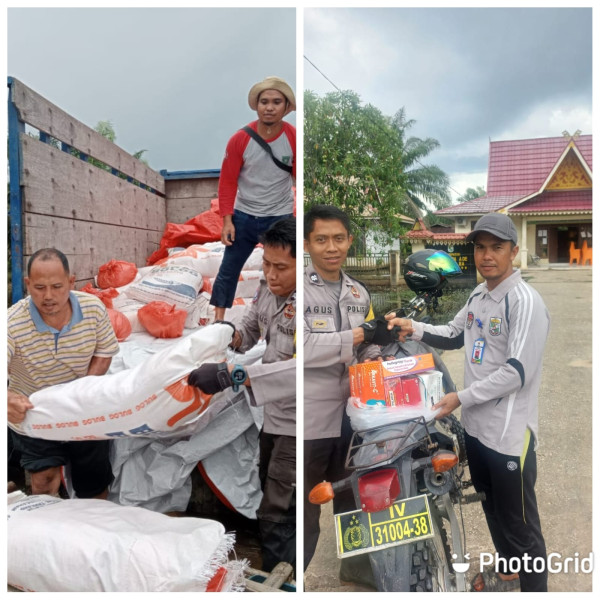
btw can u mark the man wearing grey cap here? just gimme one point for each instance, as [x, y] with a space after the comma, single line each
[255, 185]
[503, 327]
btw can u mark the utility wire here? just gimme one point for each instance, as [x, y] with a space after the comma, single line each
[385, 132]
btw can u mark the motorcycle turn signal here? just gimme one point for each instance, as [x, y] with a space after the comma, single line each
[443, 460]
[322, 493]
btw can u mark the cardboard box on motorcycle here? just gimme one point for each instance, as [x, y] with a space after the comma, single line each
[409, 381]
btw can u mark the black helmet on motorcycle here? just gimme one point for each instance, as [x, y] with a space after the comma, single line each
[426, 269]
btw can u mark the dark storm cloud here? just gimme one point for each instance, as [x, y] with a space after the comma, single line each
[464, 75]
[172, 81]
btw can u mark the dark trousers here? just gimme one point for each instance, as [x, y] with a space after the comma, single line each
[510, 506]
[248, 231]
[324, 461]
[277, 511]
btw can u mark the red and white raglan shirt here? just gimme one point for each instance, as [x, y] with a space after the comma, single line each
[251, 181]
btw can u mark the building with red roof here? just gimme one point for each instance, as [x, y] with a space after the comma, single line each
[545, 186]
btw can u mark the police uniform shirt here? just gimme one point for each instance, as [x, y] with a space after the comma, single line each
[329, 350]
[274, 381]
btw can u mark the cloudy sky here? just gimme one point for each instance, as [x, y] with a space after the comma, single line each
[172, 81]
[465, 75]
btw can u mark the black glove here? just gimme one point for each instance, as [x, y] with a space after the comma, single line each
[377, 332]
[211, 377]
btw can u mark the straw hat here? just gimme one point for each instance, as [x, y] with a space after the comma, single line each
[271, 83]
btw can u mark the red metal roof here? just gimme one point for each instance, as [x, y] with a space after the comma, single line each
[560, 201]
[519, 168]
[479, 206]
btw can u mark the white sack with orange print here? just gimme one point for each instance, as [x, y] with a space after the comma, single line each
[151, 397]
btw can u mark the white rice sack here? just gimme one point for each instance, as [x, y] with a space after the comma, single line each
[199, 257]
[151, 396]
[254, 262]
[207, 258]
[59, 545]
[237, 310]
[171, 283]
[247, 283]
[129, 307]
[195, 313]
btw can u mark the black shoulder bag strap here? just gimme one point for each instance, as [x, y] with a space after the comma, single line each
[266, 148]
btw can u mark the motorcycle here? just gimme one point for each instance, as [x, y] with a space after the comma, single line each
[407, 476]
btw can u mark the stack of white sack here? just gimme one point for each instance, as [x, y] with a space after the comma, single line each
[59, 545]
[154, 471]
[185, 279]
[152, 396]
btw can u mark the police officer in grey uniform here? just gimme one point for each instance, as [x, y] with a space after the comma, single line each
[504, 326]
[272, 317]
[339, 330]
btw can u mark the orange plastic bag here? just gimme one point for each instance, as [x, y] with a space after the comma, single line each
[162, 320]
[105, 295]
[116, 273]
[203, 228]
[120, 324]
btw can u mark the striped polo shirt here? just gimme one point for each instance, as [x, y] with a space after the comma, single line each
[40, 356]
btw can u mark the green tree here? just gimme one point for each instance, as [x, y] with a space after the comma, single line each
[471, 194]
[361, 160]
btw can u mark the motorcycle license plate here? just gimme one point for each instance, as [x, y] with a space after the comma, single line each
[404, 522]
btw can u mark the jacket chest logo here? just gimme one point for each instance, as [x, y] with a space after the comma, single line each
[289, 311]
[470, 318]
[495, 326]
[355, 292]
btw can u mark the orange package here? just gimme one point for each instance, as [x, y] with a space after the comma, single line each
[368, 381]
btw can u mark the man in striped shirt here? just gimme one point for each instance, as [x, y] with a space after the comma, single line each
[503, 327]
[54, 336]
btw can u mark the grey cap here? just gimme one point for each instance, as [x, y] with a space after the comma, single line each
[497, 224]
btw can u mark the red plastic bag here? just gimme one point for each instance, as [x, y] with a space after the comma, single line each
[105, 295]
[203, 228]
[162, 320]
[120, 324]
[116, 273]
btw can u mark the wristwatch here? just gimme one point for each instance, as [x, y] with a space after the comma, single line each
[238, 376]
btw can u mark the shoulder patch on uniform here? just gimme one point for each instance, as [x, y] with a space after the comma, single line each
[313, 277]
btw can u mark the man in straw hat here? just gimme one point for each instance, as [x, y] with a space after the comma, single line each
[255, 187]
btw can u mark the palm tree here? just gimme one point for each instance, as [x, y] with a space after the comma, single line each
[423, 184]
